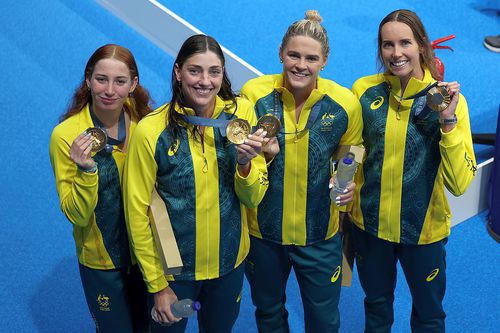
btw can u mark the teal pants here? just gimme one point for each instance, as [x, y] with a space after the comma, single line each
[424, 268]
[117, 299]
[219, 298]
[318, 271]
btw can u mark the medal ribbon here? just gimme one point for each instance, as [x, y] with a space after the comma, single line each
[310, 121]
[218, 123]
[122, 132]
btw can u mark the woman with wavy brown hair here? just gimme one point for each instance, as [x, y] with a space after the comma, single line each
[87, 152]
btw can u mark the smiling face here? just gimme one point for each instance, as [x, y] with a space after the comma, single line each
[302, 60]
[110, 84]
[400, 51]
[201, 78]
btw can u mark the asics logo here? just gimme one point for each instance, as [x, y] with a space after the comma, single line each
[336, 274]
[433, 274]
[377, 103]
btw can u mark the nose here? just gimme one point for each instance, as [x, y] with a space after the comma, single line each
[301, 63]
[109, 88]
[205, 79]
[396, 51]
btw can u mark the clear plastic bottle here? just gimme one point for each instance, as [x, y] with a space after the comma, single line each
[185, 308]
[345, 172]
[181, 309]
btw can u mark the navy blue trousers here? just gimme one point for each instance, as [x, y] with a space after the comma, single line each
[117, 299]
[318, 271]
[424, 268]
[219, 298]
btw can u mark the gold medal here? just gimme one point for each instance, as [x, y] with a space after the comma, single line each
[438, 98]
[99, 138]
[237, 130]
[270, 124]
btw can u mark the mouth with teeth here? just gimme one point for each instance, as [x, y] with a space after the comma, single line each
[202, 91]
[399, 64]
[299, 75]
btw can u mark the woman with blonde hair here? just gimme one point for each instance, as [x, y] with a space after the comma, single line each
[296, 225]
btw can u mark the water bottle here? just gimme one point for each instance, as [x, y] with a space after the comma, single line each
[345, 172]
[185, 308]
[181, 309]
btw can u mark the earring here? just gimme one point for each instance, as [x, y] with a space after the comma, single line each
[179, 83]
[322, 68]
[281, 60]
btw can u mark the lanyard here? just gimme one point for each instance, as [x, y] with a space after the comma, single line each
[218, 123]
[121, 130]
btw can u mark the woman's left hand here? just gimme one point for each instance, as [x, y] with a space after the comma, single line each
[250, 148]
[346, 197]
[453, 89]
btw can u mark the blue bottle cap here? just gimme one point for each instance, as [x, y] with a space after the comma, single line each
[196, 305]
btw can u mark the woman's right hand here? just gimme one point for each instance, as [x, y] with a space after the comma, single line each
[80, 151]
[163, 301]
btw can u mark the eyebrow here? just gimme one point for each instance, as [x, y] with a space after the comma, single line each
[117, 77]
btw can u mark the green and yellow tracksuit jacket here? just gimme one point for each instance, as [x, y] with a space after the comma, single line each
[202, 190]
[297, 208]
[400, 186]
[92, 202]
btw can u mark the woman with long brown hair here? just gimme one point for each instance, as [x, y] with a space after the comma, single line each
[87, 152]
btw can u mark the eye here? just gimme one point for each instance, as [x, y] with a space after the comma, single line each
[100, 79]
[193, 71]
[312, 58]
[215, 72]
[293, 56]
[121, 82]
[406, 42]
[386, 45]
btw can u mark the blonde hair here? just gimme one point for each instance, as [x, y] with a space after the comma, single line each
[310, 26]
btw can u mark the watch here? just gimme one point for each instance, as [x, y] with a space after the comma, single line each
[448, 121]
[91, 170]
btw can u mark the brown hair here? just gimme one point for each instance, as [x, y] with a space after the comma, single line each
[413, 21]
[310, 26]
[140, 98]
[194, 45]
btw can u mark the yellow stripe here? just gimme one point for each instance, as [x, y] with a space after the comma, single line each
[438, 216]
[207, 206]
[392, 171]
[244, 238]
[295, 173]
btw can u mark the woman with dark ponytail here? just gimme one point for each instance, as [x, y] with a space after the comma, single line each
[182, 150]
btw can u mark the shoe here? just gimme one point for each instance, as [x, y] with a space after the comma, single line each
[492, 43]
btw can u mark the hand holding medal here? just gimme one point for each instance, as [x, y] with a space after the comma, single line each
[447, 116]
[82, 147]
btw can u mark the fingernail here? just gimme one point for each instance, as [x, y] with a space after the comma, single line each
[345, 191]
[330, 186]
[337, 203]
[337, 199]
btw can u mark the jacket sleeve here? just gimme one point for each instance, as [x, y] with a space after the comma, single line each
[458, 162]
[77, 190]
[138, 183]
[251, 189]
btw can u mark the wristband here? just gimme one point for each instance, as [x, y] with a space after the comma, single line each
[448, 121]
[91, 170]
